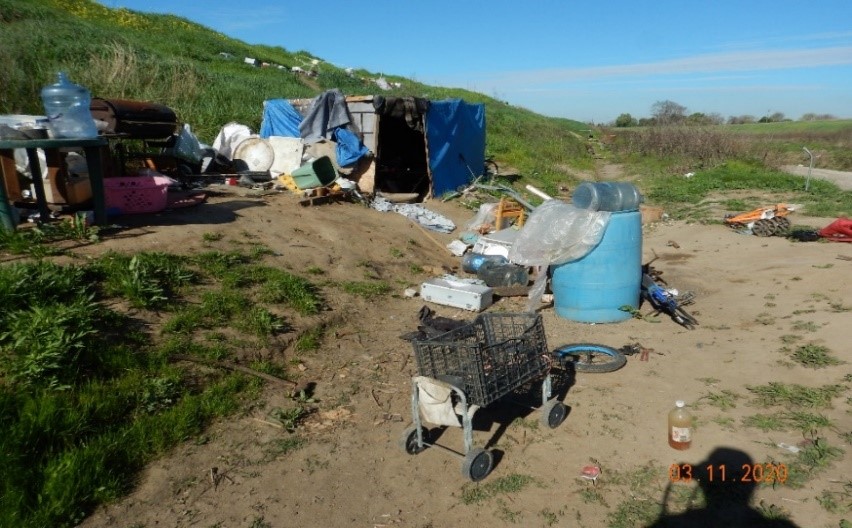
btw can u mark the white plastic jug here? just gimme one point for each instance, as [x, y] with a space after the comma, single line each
[67, 107]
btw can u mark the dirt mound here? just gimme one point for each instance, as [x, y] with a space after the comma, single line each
[757, 300]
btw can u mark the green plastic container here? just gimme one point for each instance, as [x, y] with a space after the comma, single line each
[318, 173]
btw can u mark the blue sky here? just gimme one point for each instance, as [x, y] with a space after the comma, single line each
[589, 61]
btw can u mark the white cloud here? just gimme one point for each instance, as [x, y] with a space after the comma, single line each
[698, 64]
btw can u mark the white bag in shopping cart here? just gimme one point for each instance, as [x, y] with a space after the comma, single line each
[436, 402]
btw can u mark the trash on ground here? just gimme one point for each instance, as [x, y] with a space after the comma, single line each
[459, 293]
[838, 231]
[418, 213]
[763, 221]
[666, 300]
[791, 448]
[457, 247]
[590, 473]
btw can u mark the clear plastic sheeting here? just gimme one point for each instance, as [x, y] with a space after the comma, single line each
[484, 220]
[556, 233]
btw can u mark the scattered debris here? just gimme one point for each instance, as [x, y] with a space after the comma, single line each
[763, 221]
[838, 231]
[591, 473]
[791, 448]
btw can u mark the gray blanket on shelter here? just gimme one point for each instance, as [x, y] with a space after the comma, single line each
[327, 112]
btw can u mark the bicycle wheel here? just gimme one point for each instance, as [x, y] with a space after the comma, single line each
[590, 357]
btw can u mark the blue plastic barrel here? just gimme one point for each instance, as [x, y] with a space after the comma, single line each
[594, 288]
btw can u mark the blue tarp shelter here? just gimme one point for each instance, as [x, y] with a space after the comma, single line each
[454, 135]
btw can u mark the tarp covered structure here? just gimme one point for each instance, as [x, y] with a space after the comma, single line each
[455, 132]
[447, 137]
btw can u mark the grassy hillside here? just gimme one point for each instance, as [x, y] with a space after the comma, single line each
[118, 53]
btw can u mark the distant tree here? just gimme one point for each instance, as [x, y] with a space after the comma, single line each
[696, 118]
[668, 112]
[777, 117]
[715, 118]
[810, 116]
[625, 120]
[740, 120]
[647, 122]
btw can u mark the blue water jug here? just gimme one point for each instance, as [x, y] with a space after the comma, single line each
[607, 196]
[472, 261]
[67, 107]
[496, 274]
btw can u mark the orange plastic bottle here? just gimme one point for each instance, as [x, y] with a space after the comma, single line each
[680, 427]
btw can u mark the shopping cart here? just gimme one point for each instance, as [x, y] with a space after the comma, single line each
[477, 364]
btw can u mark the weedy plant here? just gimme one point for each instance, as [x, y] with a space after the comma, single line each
[815, 356]
[475, 493]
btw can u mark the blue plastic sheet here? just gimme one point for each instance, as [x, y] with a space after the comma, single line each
[279, 119]
[455, 131]
[349, 147]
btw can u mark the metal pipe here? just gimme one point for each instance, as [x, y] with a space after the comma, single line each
[539, 193]
[810, 168]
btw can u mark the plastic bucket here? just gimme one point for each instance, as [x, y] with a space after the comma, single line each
[593, 289]
[317, 173]
[607, 196]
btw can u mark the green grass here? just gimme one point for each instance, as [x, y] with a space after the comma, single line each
[311, 339]
[367, 289]
[475, 493]
[146, 280]
[723, 400]
[804, 421]
[290, 290]
[815, 356]
[799, 396]
[684, 195]
[88, 396]
[814, 458]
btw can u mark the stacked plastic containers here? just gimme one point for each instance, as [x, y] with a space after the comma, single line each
[67, 108]
[597, 287]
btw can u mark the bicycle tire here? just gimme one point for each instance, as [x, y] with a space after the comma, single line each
[573, 353]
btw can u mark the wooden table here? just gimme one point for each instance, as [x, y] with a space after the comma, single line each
[92, 147]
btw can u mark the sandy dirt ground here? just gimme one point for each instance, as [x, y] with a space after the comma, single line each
[757, 301]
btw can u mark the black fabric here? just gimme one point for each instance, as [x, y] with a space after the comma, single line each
[412, 109]
[432, 326]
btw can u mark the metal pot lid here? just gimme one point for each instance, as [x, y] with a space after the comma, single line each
[256, 153]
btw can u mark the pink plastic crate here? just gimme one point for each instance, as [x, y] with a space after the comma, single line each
[137, 194]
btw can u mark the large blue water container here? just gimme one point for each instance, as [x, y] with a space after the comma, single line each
[594, 288]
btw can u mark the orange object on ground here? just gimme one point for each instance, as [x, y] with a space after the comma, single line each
[763, 221]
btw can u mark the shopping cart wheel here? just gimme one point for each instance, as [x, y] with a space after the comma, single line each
[408, 440]
[477, 464]
[553, 413]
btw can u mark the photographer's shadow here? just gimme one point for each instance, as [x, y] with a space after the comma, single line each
[727, 481]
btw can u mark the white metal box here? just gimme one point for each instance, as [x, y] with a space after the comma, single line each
[473, 297]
